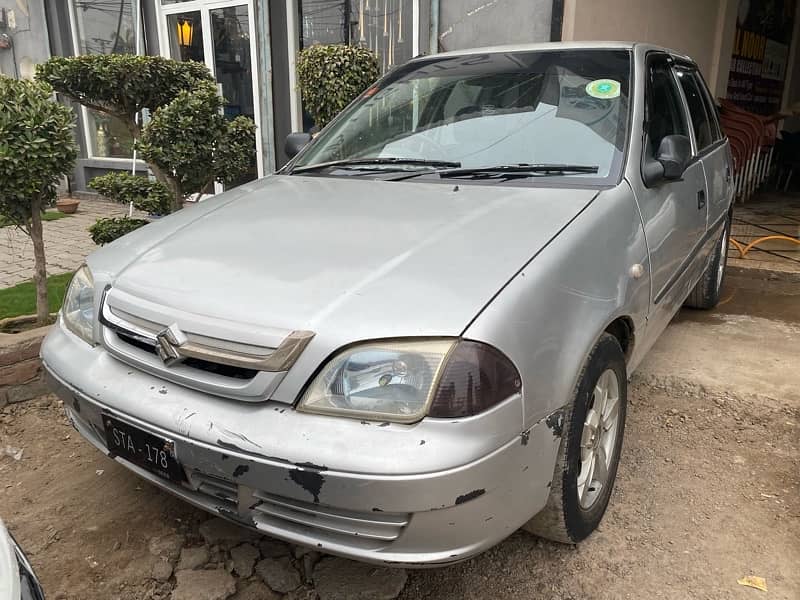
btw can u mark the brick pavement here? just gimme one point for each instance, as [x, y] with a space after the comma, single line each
[66, 242]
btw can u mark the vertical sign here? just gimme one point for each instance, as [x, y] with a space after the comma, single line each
[761, 54]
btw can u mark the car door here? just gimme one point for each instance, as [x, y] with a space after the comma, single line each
[712, 151]
[673, 212]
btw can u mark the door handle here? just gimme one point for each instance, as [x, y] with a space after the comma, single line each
[701, 199]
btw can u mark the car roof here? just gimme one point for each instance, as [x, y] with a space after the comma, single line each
[593, 45]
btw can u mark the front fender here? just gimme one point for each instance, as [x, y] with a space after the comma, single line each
[549, 316]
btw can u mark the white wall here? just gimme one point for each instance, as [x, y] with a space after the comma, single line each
[703, 29]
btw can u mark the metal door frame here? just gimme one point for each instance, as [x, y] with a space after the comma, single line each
[205, 7]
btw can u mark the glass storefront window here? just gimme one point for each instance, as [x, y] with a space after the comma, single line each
[106, 27]
[384, 26]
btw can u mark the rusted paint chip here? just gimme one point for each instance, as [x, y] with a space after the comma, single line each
[555, 421]
[309, 478]
[470, 496]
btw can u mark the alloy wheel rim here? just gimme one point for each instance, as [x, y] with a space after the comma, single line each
[598, 439]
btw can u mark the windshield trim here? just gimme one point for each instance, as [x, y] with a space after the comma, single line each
[616, 173]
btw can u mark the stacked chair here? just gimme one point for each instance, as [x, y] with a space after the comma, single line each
[752, 139]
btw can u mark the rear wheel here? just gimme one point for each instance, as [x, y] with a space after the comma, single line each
[590, 448]
[705, 294]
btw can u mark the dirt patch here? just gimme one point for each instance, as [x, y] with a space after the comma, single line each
[707, 493]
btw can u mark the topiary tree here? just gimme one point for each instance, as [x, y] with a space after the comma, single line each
[330, 77]
[105, 231]
[192, 140]
[36, 150]
[146, 195]
[187, 143]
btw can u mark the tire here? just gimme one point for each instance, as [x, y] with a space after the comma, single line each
[705, 294]
[573, 509]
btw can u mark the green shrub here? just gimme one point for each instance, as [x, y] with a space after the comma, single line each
[149, 196]
[36, 150]
[105, 231]
[330, 77]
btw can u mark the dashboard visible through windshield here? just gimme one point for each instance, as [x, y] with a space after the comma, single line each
[562, 113]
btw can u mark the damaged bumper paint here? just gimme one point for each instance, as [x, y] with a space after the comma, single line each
[431, 493]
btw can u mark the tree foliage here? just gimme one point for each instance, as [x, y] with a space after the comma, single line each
[332, 76]
[36, 150]
[105, 231]
[121, 85]
[146, 195]
[190, 138]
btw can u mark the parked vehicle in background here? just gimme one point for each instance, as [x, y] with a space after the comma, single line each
[17, 580]
[416, 338]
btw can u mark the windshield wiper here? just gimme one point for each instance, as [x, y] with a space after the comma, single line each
[518, 170]
[388, 160]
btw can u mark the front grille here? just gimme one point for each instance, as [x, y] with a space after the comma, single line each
[195, 363]
[370, 530]
[277, 514]
[214, 355]
[220, 489]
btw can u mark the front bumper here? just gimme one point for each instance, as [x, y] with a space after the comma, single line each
[286, 487]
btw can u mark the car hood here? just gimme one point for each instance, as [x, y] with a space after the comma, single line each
[366, 258]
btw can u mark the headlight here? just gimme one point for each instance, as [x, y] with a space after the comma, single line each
[403, 381]
[78, 307]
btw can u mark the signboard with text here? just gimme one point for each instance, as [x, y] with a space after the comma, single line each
[761, 54]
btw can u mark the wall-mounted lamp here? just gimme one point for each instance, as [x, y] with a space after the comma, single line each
[185, 31]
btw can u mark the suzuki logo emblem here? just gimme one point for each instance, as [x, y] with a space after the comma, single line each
[169, 341]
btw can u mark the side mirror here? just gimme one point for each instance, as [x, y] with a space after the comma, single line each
[671, 160]
[296, 142]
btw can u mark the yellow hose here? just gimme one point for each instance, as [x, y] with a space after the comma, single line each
[745, 249]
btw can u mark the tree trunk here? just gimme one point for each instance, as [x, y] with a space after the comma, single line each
[169, 181]
[40, 264]
[172, 184]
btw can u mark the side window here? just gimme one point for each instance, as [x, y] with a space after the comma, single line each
[697, 109]
[665, 114]
[711, 107]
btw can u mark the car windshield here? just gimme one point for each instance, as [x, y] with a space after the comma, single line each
[568, 109]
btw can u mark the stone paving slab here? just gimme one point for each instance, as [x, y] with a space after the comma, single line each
[767, 214]
[66, 242]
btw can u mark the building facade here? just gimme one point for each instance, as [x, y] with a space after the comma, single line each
[250, 46]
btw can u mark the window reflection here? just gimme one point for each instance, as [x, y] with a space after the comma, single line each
[383, 26]
[106, 27]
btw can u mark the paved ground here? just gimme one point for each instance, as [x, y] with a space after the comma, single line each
[708, 492]
[67, 243]
[768, 214]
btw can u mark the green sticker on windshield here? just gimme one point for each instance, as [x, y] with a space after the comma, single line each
[603, 88]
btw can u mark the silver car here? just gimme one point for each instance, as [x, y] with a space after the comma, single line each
[415, 338]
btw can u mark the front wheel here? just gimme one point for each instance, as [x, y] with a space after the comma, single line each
[705, 294]
[590, 448]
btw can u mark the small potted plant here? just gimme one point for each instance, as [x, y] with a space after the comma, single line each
[67, 205]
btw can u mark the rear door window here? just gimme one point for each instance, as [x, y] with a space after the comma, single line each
[697, 109]
[711, 107]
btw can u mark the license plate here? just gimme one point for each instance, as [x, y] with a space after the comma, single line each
[144, 449]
